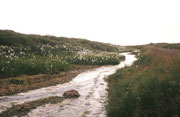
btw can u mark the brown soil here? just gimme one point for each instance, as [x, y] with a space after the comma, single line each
[7, 87]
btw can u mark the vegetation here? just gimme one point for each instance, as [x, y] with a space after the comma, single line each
[11, 38]
[167, 45]
[22, 54]
[148, 88]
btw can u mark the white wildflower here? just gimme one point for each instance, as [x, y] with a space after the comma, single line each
[3, 69]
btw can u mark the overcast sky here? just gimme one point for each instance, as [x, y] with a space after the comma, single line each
[123, 22]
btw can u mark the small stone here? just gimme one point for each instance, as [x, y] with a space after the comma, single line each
[71, 93]
[101, 83]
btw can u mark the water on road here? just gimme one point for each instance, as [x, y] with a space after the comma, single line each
[89, 84]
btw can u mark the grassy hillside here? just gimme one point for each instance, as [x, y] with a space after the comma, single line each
[149, 88]
[33, 54]
[11, 38]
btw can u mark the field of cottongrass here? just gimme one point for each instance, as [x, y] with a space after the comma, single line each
[95, 58]
[22, 54]
[45, 58]
[17, 61]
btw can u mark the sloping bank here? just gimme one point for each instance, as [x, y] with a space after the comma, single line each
[148, 88]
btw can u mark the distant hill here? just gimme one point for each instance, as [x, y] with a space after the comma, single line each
[167, 45]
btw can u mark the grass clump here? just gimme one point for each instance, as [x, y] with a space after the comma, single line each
[17, 81]
[24, 109]
[21, 66]
[148, 88]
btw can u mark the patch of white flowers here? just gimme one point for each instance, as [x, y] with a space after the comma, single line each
[10, 55]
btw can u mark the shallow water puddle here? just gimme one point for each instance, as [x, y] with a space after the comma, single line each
[90, 85]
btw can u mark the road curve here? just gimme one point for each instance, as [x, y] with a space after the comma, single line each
[89, 84]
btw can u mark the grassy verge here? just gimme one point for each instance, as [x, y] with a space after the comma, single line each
[24, 109]
[148, 88]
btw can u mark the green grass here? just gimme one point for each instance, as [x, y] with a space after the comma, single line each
[9, 68]
[149, 88]
[22, 54]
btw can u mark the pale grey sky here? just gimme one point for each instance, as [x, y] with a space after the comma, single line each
[123, 22]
